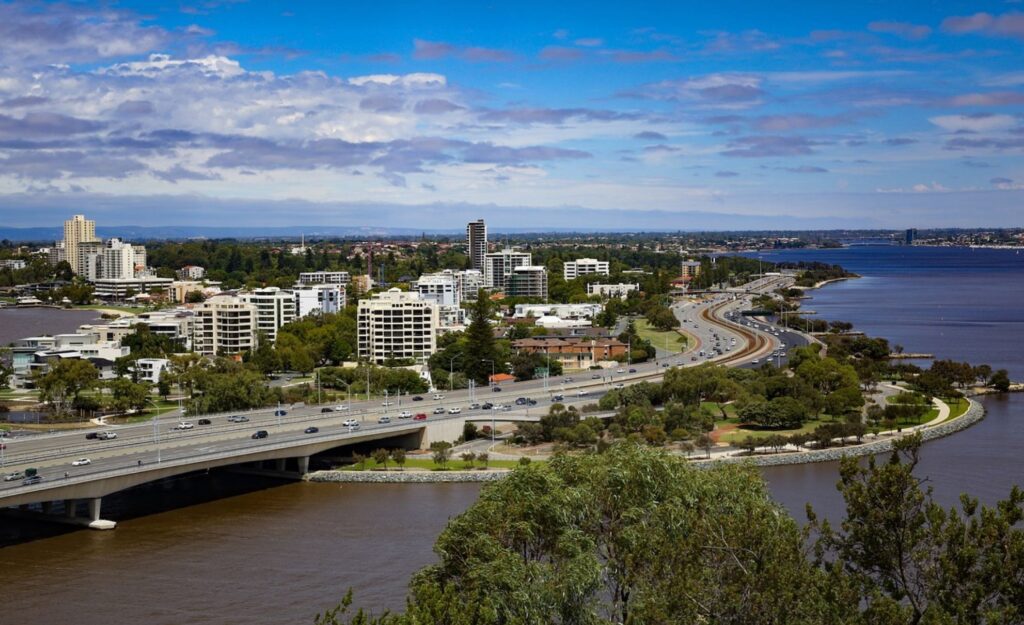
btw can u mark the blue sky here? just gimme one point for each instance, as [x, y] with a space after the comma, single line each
[598, 115]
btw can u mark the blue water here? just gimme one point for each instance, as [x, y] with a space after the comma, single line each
[964, 304]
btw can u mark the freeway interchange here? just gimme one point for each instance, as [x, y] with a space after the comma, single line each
[711, 322]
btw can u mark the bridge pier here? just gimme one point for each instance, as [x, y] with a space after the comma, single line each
[95, 522]
[303, 464]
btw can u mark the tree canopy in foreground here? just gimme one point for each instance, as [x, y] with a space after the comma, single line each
[635, 535]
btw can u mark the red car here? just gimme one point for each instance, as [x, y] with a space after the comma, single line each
[420, 416]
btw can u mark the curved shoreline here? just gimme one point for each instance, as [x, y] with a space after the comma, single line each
[975, 412]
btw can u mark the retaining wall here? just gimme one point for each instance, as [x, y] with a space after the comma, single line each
[405, 477]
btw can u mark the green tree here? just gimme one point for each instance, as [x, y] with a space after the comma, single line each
[128, 395]
[442, 452]
[481, 349]
[1000, 381]
[398, 455]
[64, 381]
[380, 456]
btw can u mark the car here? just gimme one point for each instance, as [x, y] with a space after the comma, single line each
[242, 419]
[582, 392]
[420, 416]
[455, 411]
[632, 370]
[81, 462]
[350, 423]
[106, 436]
[754, 361]
[568, 380]
[280, 413]
[438, 396]
[487, 406]
[17, 475]
[184, 425]
[311, 430]
[204, 422]
[693, 358]
[340, 408]
[495, 389]
[326, 409]
[91, 435]
[401, 417]
[405, 414]
[260, 434]
[620, 385]
[32, 479]
[505, 408]
[664, 365]
[439, 410]
[596, 376]
[474, 406]
[386, 403]
[620, 370]
[557, 397]
[531, 402]
[417, 398]
[387, 419]
[520, 401]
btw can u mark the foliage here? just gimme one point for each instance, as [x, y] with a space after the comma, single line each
[442, 452]
[64, 381]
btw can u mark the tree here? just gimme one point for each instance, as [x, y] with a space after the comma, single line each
[469, 458]
[482, 352]
[483, 457]
[398, 455]
[1000, 381]
[6, 367]
[64, 381]
[442, 452]
[705, 442]
[359, 460]
[469, 431]
[380, 456]
[128, 395]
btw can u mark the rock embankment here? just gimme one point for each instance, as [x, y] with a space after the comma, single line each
[405, 477]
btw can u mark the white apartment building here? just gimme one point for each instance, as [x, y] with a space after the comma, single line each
[441, 288]
[621, 290]
[564, 311]
[34, 353]
[14, 263]
[397, 324]
[150, 369]
[121, 288]
[528, 281]
[117, 260]
[573, 269]
[191, 272]
[498, 266]
[319, 299]
[476, 243]
[224, 324]
[324, 277]
[77, 230]
[469, 281]
[274, 308]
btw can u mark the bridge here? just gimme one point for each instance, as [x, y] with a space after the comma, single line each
[148, 452]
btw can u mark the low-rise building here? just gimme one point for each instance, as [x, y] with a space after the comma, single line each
[574, 352]
[621, 290]
[150, 369]
[689, 269]
[319, 299]
[324, 277]
[12, 263]
[177, 291]
[565, 311]
[122, 288]
[191, 272]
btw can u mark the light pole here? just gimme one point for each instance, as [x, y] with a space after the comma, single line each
[318, 402]
[451, 374]
[156, 429]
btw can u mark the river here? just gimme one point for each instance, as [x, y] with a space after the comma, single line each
[278, 555]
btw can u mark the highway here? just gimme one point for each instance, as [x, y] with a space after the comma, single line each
[158, 441]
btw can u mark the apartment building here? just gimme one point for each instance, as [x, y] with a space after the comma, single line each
[573, 352]
[77, 230]
[469, 282]
[224, 324]
[498, 266]
[527, 281]
[621, 290]
[319, 299]
[191, 272]
[397, 324]
[573, 269]
[690, 269]
[476, 243]
[14, 263]
[324, 277]
[122, 288]
[442, 288]
[274, 308]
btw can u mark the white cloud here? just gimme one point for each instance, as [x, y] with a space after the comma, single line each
[974, 123]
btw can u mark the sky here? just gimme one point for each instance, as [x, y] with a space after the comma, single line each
[596, 115]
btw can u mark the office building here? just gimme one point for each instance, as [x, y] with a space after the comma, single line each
[324, 277]
[224, 325]
[122, 288]
[528, 281]
[396, 324]
[910, 236]
[77, 230]
[274, 308]
[621, 290]
[476, 243]
[498, 266]
[584, 266]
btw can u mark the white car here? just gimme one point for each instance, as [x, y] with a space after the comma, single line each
[81, 462]
[340, 408]
[350, 423]
[185, 425]
[438, 396]
[454, 410]
[581, 393]
[387, 419]
[620, 385]
[386, 403]
[620, 370]
[405, 414]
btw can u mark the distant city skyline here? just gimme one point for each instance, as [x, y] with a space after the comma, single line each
[657, 116]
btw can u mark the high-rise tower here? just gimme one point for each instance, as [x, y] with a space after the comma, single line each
[476, 242]
[78, 230]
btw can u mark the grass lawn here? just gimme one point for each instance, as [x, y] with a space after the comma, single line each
[131, 310]
[672, 340]
[957, 407]
[454, 464]
[715, 410]
[744, 431]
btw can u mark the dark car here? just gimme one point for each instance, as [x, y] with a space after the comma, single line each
[327, 409]
[417, 398]
[531, 402]
[495, 389]
[280, 413]
[520, 401]
[32, 479]
[596, 376]
[312, 429]
[260, 434]
[632, 370]
[487, 406]
[92, 435]
[557, 397]
[204, 422]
